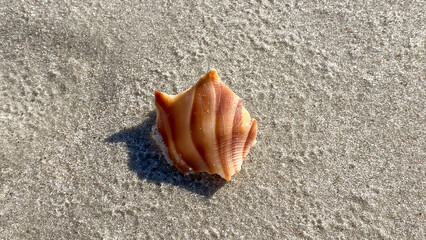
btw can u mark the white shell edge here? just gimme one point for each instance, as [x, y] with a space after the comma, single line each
[159, 140]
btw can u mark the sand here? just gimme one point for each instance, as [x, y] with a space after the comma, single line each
[338, 89]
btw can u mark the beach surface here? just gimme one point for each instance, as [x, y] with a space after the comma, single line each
[338, 89]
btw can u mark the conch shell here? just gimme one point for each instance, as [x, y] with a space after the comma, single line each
[205, 128]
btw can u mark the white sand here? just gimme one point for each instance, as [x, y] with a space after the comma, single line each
[338, 89]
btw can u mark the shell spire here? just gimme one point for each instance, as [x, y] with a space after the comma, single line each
[205, 128]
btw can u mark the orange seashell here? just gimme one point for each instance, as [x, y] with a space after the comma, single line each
[204, 128]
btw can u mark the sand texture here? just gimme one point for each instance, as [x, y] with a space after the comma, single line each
[338, 89]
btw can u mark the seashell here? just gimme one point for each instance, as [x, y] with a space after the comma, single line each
[204, 128]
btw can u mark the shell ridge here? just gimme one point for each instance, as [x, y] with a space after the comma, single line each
[243, 141]
[190, 127]
[177, 150]
[181, 132]
[164, 131]
[222, 149]
[250, 137]
[228, 105]
[174, 149]
[199, 148]
[218, 91]
[235, 134]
